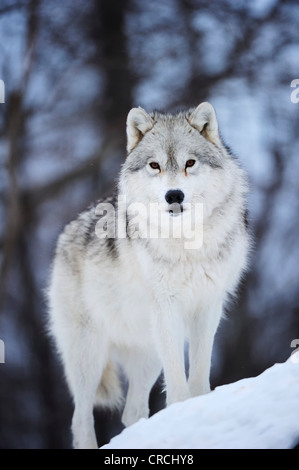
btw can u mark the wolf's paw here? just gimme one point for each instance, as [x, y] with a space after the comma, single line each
[178, 395]
[132, 415]
[199, 389]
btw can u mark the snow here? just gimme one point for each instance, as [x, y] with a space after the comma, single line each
[254, 413]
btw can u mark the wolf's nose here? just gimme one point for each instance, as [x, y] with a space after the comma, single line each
[174, 195]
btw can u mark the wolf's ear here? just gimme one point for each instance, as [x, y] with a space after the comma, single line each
[204, 119]
[138, 123]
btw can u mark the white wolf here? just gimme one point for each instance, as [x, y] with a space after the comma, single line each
[133, 301]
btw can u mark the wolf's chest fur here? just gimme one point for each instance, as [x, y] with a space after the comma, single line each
[146, 273]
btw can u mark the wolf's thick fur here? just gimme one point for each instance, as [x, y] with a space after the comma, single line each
[132, 302]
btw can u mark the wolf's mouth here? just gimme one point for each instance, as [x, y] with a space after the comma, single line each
[176, 210]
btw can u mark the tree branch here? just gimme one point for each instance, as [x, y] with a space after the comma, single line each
[14, 6]
[37, 196]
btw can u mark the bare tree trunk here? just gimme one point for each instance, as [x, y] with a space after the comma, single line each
[15, 131]
[109, 35]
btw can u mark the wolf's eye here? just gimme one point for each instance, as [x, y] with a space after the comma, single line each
[190, 163]
[155, 166]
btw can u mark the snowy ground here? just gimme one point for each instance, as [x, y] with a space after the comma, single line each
[255, 413]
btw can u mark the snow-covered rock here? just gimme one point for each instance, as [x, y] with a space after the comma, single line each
[254, 413]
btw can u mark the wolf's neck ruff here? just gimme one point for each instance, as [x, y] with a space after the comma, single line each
[152, 221]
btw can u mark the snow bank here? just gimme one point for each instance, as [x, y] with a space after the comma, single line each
[255, 413]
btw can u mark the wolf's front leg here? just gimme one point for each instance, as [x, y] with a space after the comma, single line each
[169, 335]
[142, 369]
[202, 332]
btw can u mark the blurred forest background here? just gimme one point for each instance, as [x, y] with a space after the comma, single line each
[72, 71]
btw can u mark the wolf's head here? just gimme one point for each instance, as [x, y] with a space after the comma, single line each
[178, 160]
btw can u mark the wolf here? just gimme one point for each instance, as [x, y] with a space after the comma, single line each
[127, 304]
